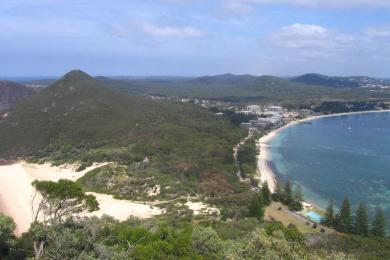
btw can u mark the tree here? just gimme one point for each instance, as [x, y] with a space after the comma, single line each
[278, 194]
[329, 219]
[56, 202]
[298, 194]
[288, 195]
[361, 220]
[344, 218]
[266, 193]
[379, 224]
[256, 209]
[206, 242]
[7, 238]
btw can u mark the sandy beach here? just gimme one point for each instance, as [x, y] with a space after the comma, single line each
[16, 193]
[265, 158]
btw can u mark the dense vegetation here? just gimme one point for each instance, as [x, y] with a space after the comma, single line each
[185, 148]
[66, 235]
[247, 158]
[332, 107]
[243, 89]
[288, 196]
[346, 222]
[11, 93]
[335, 82]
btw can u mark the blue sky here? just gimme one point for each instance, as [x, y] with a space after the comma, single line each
[194, 37]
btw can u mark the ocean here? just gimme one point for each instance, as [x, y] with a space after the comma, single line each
[338, 157]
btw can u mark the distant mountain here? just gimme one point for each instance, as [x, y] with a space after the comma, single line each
[227, 79]
[11, 93]
[337, 82]
[78, 118]
[238, 88]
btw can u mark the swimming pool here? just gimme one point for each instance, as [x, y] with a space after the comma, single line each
[314, 216]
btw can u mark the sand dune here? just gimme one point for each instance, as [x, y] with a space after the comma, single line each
[16, 193]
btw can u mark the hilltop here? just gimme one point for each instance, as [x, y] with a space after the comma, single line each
[12, 92]
[78, 119]
[338, 82]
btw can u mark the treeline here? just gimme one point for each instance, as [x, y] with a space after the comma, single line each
[247, 160]
[288, 196]
[355, 223]
[332, 107]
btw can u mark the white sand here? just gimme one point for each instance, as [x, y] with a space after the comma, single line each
[266, 173]
[16, 193]
[122, 209]
[200, 207]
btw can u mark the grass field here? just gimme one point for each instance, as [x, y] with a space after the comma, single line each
[287, 217]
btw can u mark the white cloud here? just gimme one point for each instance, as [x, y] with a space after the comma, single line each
[324, 3]
[236, 7]
[169, 31]
[379, 32]
[300, 36]
[147, 29]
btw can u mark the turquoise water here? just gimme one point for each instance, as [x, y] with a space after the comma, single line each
[336, 157]
[314, 216]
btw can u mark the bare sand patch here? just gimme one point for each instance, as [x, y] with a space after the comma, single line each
[201, 208]
[16, 193]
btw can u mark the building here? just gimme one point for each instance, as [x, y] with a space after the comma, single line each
[254, 109]
[278, 109]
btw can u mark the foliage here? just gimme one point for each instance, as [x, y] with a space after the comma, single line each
[206, 242]
[343, 222]
[361, 220]
[256, 208]
[331, 107]
[288, 196]
[265, 191]
[329, 219]
[241, 89]
[378, 228]
[57, 203]
[62, 199]
[79, 120]
[247, 158]
[7, 239]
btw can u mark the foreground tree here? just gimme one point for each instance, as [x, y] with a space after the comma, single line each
[256, 209]
[378, 228]
[361, 220]
[7, 238]
[344, 219]
[298, 194]
[56, 202]
[266, 193]
[278, 194]
[329, 219]
[288, 194]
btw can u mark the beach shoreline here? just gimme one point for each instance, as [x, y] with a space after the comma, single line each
[266, 172]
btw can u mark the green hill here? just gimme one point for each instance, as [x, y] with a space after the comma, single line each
[12, 92]
[78, 119]
[241, 88]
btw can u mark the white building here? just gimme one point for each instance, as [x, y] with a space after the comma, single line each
[254, 109]
[275, 109]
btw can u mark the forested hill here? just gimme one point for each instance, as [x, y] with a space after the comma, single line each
[240, 88]
[79, 119]
[11, 93]
[337, 82]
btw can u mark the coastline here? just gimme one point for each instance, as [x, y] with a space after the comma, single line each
[267, 174]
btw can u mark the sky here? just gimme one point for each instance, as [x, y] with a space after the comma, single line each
[195, 37]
